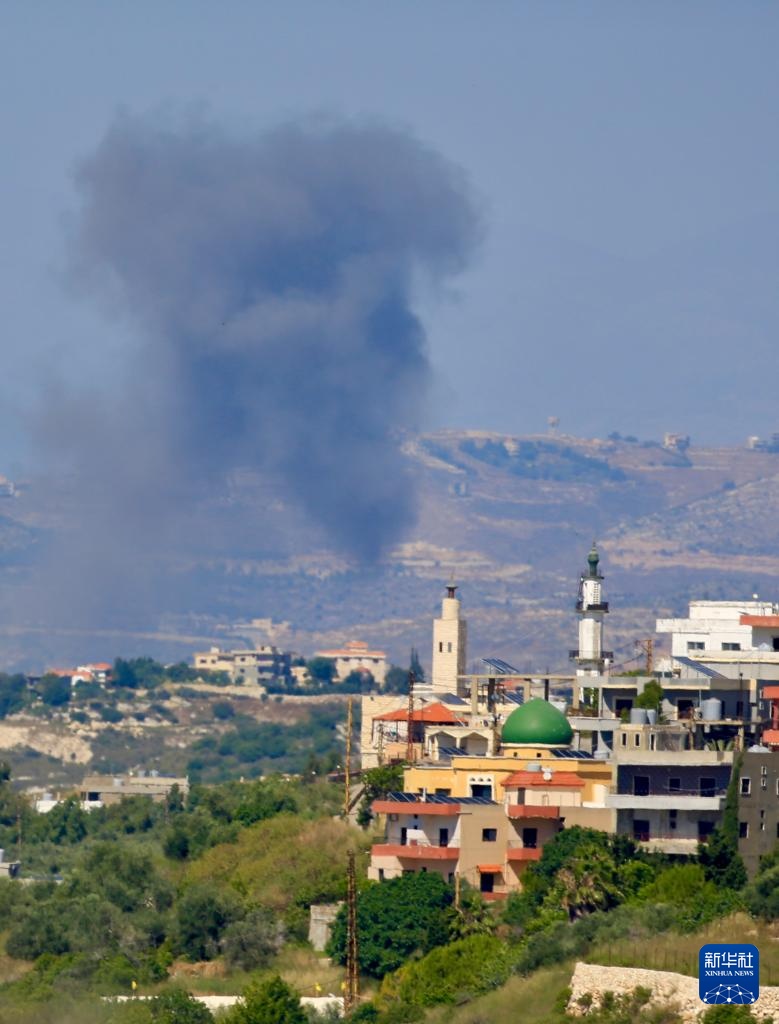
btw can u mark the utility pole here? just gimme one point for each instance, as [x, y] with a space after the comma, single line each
[648, 647]
[410, 729]
[380, 745]
[352, 989]
[348, 759]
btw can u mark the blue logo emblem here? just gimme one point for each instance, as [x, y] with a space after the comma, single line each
[729, 973]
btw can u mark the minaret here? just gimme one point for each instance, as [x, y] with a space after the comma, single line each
[449, 644]
[591, 658]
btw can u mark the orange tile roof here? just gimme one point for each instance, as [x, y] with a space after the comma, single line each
[521, 780]
[434, 714]
[766, 621]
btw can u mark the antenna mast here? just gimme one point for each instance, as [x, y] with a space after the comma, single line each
[410, 728]
[348, 759]
[352, 977]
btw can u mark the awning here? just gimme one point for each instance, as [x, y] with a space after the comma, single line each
[490, 869]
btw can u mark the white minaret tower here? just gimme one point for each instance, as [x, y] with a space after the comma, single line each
[590, 658]
[449, 646]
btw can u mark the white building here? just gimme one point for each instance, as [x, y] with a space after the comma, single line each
[450, 637]
[725, 628]
[357, 656]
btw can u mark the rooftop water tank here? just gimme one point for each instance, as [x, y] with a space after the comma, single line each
[711, 709]
[638, 716]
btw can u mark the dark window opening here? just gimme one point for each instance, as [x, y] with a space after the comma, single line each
[489, 835]
[705, 828]
[641, 785]
[443, 837]
[530, 838]
[674, 785]
[481, 790]
[487, 881]
[641, 830]
[708, 787]
[743, 830]
[404, 836]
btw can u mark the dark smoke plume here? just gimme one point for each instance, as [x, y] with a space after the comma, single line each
[272, 281]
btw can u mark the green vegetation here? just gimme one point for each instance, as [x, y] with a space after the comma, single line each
[541, 460]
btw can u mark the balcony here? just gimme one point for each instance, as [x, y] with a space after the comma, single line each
[532, 811]
[415, 851]
[664, 802]
[515, 852]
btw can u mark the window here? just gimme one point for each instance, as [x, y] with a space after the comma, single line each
[762, 821]
[775, 643]
[530, 838]
[731, 647]
[489, 835]
[674, 785]
[652, 741]
[705, 828]
[487, 881]
[381, 874]
[641, 785]
[641, 830]
[696, 645]
[625, 743]
[404, 836]
[443, 837]
[449, 647]
[708, 787]
[743, 830]
[746, 785]
[441, 647]
[763, 777]
[637, 739]
[480, 790]
[443, 792]
[450, 877]
[672, 816]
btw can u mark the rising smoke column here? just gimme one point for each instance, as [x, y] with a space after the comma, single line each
[271, 279]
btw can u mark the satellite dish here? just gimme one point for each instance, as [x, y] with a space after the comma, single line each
[547, 775]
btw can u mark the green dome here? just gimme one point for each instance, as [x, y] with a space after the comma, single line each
[537, 722]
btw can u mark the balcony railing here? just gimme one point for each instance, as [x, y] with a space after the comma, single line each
[532, 811]
[416, 851]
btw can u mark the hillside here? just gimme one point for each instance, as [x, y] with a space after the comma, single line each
[510, 517]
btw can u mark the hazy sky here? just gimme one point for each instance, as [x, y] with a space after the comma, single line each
[625, 156]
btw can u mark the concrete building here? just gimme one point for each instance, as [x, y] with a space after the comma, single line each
[758, 806]
[357, 656]
[8, 868]
[104, 790]
[724, 631]
[450, 641]
[668, 795]
[486, 817]
[257, 666]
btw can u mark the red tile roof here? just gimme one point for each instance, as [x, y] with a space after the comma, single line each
[434, 714]
[563, 780]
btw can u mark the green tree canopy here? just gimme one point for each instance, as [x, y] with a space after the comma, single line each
[395, 919]
[269, 1002]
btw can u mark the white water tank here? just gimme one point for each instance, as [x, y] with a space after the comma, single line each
[638, 716]
[711, 709]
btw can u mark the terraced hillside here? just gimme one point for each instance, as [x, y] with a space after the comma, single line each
[510, 517]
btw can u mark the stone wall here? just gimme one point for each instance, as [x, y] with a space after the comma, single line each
[677, 990]
[321, 923]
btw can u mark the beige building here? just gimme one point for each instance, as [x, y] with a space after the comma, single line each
[258, 665]
[104, 790]
[485, 818]
[357, 656]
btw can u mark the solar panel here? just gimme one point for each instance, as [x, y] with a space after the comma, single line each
[452, 698]
[573, 755]
[703, 670]
[514, 697]
[438, 798]
[501, 667]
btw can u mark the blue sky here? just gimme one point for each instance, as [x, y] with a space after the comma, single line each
[624, 155]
